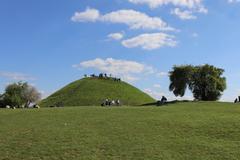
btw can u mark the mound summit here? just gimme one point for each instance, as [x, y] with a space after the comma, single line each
[93, 91]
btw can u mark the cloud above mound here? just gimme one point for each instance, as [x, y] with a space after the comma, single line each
[116, 36]
[183, 14]
[233, 1]
[188, 7]
[151, 41]
[89, 15]
[133, 19]
[16, 76]
[128, 70]
[191, 4]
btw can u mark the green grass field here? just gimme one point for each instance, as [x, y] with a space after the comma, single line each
[183, 131]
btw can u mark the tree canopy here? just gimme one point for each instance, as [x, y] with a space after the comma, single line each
[20, 95]
[205, 81]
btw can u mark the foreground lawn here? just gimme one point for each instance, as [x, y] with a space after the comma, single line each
[184, 131]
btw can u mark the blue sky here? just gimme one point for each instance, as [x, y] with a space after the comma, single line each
[52, 43]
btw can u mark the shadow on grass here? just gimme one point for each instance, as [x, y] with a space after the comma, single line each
[158, 103]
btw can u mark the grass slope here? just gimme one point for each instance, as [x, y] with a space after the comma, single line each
[184, 131]
[92, 92]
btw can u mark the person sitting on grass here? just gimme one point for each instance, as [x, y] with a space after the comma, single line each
[118, 102]
[113, 102]
[163, 100]
[106, 102]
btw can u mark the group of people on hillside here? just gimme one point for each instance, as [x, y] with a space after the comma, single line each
[103, 76]
[109, 102]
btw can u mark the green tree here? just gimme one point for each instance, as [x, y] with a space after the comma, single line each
[180, 77]
[2, 103]
[20, 94]
[205, 82]
[13, 94]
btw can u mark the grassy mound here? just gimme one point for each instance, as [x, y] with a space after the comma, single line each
[93, 91]
[181, 131]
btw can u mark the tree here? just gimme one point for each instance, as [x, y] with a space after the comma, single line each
[20, 94]
[2, 103]
[30, 95]
[13, 94]
[180, 78]
[205, 82]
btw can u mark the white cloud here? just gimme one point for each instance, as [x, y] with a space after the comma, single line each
[151, 41]
[202, 10]
[184, 15]
[131, 18]
[233, 1]
[157, 86]
[195, 35]
[136, 20]
[162, 74]
[128, 70]
[115, 66]
[116, 36]
[16, 76]
[88, 15]
[191, 4]
[154, 94]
